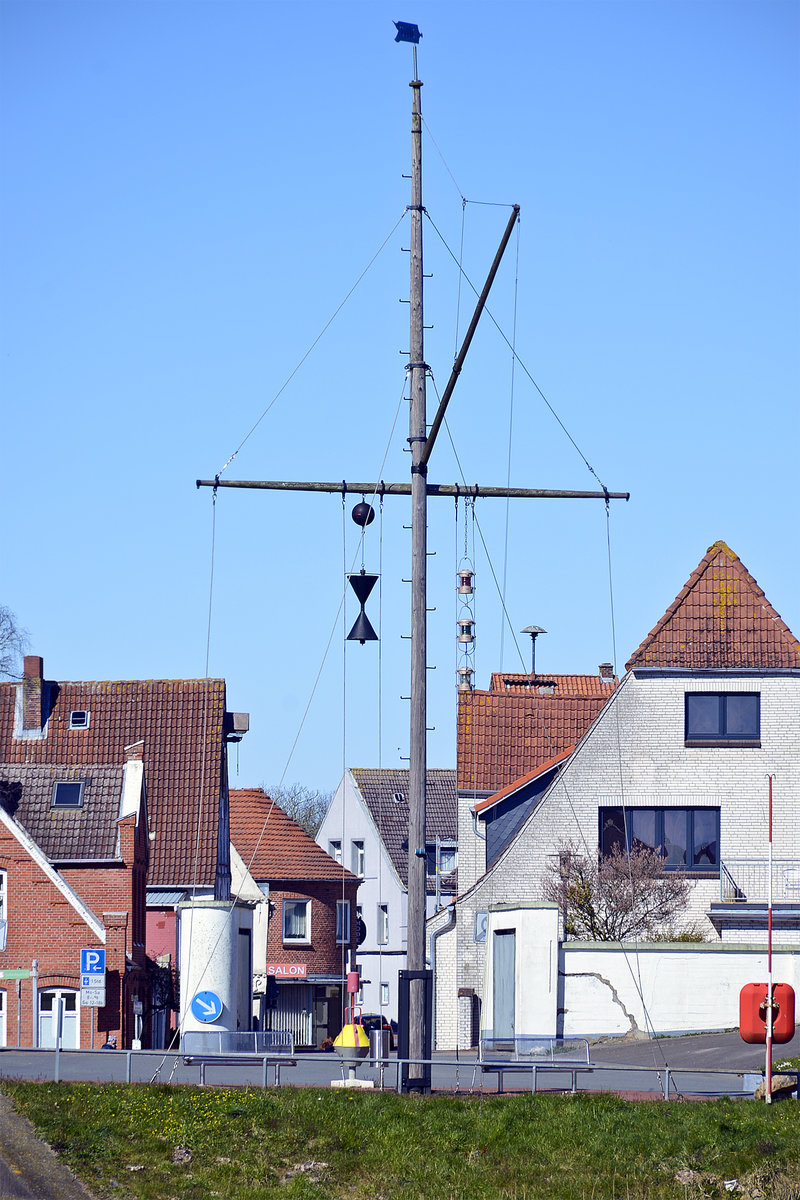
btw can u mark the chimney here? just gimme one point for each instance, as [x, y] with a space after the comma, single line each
[135, 752]
[606, 670]
[32, 693]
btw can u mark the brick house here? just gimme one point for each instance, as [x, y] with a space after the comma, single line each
[81, 731]
[678, 760]
[522, 726]
[73, 864]
[304, 925]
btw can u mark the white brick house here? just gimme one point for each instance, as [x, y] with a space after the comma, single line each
[678, 758]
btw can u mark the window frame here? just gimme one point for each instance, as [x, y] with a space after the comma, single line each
[357, 856]
[335, 849]
[80, 725]
[659, 838]
[343, 923]
[69, 783]
[382, 930]
[303, 939]
[721, 737]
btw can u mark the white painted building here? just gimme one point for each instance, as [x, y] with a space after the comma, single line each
[677, 759]
[366, 829]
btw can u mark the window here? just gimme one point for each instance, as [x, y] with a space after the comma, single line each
[684, 837]
[297, 920]
[335, 850]
[343, 922]
[3, 913]
[67, 795]
[2, 1018]
[50, 1002]
[723, 719]
[384, 993]
[79, 718]
[357, 857]
[383, 924]
[448, 858]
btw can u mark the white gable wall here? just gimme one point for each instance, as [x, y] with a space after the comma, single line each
[634, 754]
[348, 820]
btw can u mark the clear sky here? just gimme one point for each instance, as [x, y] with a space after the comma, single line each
[190, 190]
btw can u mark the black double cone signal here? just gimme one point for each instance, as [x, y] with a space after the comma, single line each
[362, 584]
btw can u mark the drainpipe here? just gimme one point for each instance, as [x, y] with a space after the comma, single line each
[35, 1002]
[446, 928]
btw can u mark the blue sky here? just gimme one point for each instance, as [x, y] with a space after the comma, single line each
[190, 190]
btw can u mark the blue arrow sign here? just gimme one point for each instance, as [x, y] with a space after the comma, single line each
[206, 1006]
[93, 962]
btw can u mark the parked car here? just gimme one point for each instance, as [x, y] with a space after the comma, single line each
[370, 1021]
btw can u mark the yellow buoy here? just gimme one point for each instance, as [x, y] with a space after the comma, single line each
[352, 1042]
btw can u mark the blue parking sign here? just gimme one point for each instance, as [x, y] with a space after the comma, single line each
[93, 962]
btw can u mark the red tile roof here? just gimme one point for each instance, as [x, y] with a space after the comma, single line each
[273, 846]
[504, 734]
[490, 801]
[722, 619]
[565, 685]
[181, 723]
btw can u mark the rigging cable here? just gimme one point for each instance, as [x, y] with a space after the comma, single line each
[510, 432]
[316, 340]
[497, 326]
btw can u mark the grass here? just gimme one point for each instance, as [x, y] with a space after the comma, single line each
[186, 1143]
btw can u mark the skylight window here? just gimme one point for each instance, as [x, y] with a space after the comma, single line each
[79, 718]
[68, 794]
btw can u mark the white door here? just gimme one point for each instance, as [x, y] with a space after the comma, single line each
[48, 1019]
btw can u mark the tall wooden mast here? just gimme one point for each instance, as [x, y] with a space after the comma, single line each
[418, 435]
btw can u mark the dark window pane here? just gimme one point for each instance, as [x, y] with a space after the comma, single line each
[706, 836]
[643, 828]
[742, 716]
[67, 795]
[612, 830]
[676, 836]
[703, 715]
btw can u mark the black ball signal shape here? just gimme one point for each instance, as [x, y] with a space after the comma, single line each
[363, 514]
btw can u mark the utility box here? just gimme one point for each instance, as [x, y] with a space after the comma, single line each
[753, 1013]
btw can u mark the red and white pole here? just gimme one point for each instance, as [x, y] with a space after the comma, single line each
[768, 1096]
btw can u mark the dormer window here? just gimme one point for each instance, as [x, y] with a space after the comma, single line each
[79, 718]
[68, 794]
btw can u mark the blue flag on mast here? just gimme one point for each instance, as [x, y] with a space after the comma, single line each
[407, 32]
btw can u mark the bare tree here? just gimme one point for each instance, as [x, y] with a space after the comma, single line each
[615, 896]
[13, 644]
[304, 805]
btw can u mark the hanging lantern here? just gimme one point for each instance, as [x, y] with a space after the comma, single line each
[465, 577]
[465, 679]
[465, 630]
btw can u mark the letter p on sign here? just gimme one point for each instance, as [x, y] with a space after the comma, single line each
[93, 962]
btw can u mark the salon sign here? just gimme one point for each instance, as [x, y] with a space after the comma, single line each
[287, 970]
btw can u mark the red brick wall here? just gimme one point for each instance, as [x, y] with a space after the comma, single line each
[322, 956]
[44, 925]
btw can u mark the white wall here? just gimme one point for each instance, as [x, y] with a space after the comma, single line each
[680, 988]
[209, 961]
[347, 820]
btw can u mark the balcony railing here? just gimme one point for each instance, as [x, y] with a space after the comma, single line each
[748, 879]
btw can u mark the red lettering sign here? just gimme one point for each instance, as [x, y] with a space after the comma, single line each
[287, 970]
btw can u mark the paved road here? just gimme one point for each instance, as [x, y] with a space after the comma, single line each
[29, 1170]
